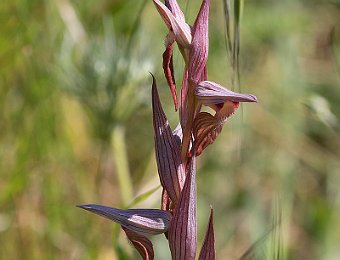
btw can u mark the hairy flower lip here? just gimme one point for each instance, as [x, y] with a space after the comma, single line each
[209, 92]
[142, 221]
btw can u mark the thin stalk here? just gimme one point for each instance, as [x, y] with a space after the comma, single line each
[226, 5]
[236, 81]
[121, 163]
[135, 27]
[238, 6]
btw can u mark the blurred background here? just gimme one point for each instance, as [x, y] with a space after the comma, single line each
[76, 128]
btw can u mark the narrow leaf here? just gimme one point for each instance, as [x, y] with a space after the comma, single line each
[208, 251]
[170, 169]
[142, 221]
[143, 197]
[183, 227]
[142, 244]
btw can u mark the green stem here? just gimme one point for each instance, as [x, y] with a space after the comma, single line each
[121, 163]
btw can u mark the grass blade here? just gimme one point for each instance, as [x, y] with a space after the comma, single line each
[238, 7]
[256, 250]
[228, 40]
[142, 197]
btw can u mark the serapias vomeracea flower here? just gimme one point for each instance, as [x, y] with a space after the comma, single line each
[224, 101]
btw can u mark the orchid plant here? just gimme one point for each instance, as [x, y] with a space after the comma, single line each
[176, 150]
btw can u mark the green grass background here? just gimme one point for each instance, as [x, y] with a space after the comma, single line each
[75, 128]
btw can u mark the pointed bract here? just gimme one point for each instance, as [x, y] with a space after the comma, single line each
[175, 9]
[200, 44]
[209, 92]
[208, 251]
[170, 169]
[164, 12]
[183, 227]
[180, 28]
[142, 244]
[142, 221]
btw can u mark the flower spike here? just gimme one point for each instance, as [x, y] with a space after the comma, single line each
[176, 151]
